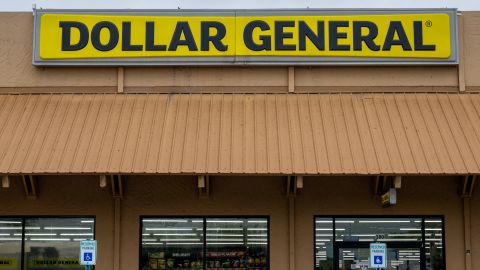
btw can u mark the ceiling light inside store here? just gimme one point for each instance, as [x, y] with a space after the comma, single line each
[224, 235]
[225, 243]
[384, 221]
[224, 240]
[37, 234]
[168, 229]
[173, 234]
[166, 220]
[49, 239]
[224, 221]
[224, 229]
[67, 228]
[76, 234]
[180, 239]
[183, 244]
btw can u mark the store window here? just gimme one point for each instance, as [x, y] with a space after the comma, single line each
[10, 243]
[54, 243]
[412, 242]
[48, 243]
[204, 243]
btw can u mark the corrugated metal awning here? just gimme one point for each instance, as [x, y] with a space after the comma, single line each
[240, 134]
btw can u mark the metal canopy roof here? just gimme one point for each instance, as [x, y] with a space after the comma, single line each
[240, 134]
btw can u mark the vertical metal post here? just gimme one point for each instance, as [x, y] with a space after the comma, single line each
[423, 259]
[120, 79]
[467, 233]
[461, 55]
[291, 231]
[291, 79]
[117, 234]
[22, 254]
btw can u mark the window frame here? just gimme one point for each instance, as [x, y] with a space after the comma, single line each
[204, 217]
[423, 217]
[25, 217]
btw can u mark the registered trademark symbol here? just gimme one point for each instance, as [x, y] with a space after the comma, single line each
[428, 23]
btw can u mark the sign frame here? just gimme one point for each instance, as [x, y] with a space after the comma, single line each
[245, 60]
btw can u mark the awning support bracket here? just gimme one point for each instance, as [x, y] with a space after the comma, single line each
[5, 181]
[117, 186]
[468, 185]
[30, 186]
[382, 183]
[203, 184]
[294, 185]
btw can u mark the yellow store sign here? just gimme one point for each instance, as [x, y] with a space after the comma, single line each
[247, 37]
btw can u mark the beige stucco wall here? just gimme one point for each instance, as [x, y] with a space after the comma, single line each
[157, 195]
[471, 56]
[18, 75]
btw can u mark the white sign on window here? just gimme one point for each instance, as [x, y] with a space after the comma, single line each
[88, 252]
[378, 255]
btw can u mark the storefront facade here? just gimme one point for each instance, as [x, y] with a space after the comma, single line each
[238, 167]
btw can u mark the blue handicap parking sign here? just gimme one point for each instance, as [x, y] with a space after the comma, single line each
[378, 259]
[88, 256]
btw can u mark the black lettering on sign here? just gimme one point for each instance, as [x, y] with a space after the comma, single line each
[304, 32]
[216, 39]
[396, 27]
[266, 44]
[418, 38]
[150, 38]
[358, 38]
[182, 28]
[113, 38]
[334, 35]
[67, 32]
[280, 35]
[127, 38]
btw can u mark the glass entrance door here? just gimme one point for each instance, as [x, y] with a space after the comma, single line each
[355, 255]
